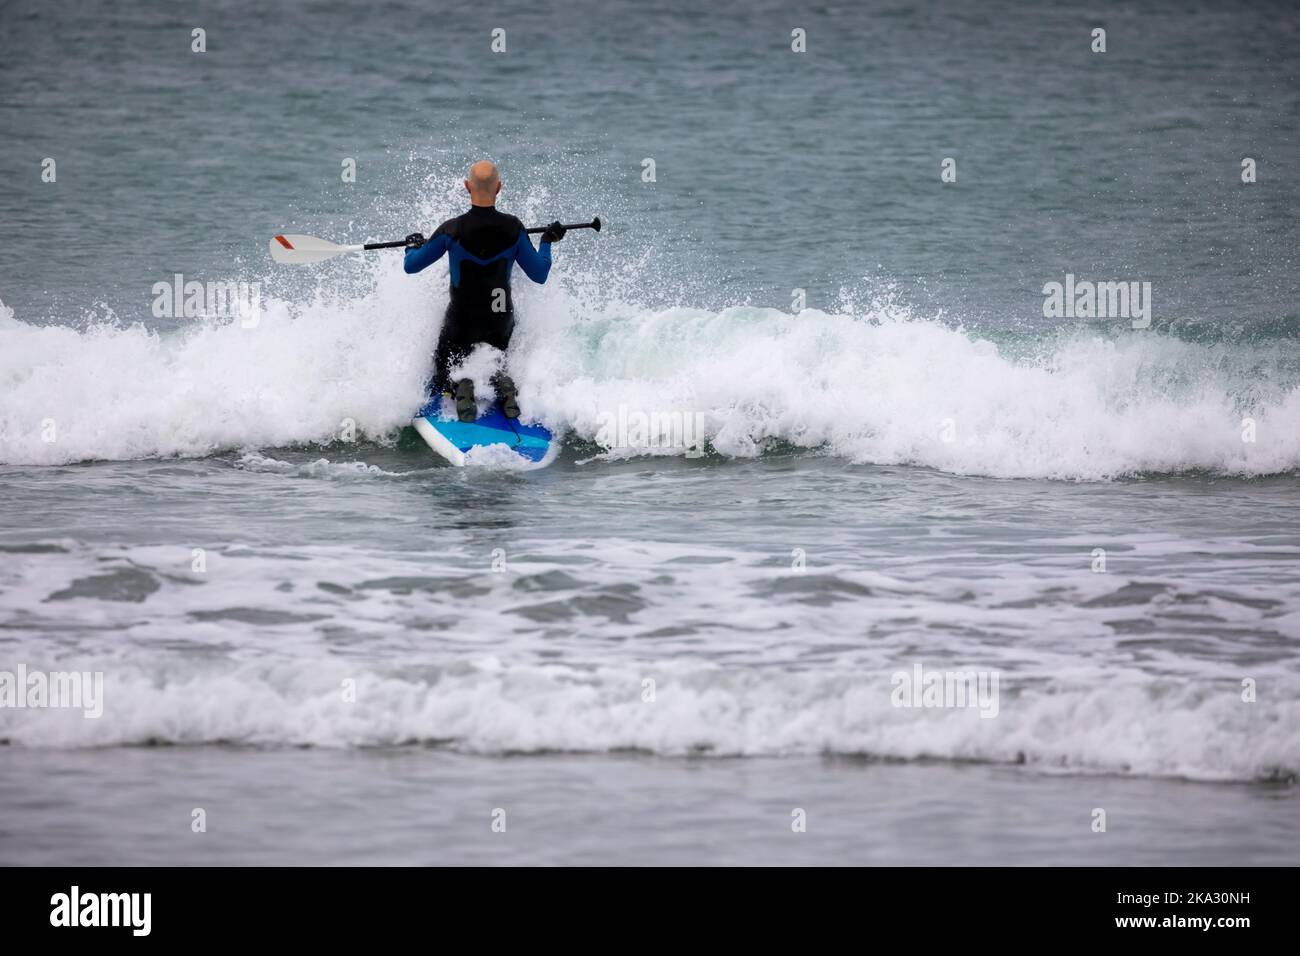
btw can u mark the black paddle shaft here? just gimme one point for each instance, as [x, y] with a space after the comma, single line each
[594, 224]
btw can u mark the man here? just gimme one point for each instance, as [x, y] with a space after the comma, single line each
[482, 246]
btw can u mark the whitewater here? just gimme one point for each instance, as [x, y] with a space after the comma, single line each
[879, 387]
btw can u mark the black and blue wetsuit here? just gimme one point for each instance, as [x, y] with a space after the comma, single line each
[482, 247]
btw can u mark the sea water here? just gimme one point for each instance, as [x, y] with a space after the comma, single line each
[942, 571]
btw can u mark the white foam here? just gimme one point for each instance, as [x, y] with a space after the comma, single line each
[1153, 728]
[501, 457]
[479, 366]
[320, 468]
[922, 393]
[873, 388]
[114, 392]
[254, 646]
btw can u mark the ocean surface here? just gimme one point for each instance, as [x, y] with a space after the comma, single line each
[341, 650]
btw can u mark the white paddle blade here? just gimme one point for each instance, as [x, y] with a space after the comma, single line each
[301, 250]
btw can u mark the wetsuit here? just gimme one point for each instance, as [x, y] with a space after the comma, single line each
[482, 247]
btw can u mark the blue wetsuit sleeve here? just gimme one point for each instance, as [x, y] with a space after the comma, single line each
[536, 265]
[426, 255]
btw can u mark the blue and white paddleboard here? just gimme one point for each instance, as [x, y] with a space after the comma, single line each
[454, 439]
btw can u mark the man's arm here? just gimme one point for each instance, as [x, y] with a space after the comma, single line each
[421, 257]
[536, 265]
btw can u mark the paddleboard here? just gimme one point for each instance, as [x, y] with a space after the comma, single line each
[454, 440]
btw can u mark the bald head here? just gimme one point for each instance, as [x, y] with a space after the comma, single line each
[483, 183]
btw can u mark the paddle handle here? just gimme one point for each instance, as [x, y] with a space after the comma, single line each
[594, 224]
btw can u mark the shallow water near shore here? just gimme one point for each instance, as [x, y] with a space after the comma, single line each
[522, 611]
[417, 807]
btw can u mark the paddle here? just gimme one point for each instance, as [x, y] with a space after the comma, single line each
[302, 250]
[594, 224]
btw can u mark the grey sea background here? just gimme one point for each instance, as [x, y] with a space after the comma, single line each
[343, 651]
